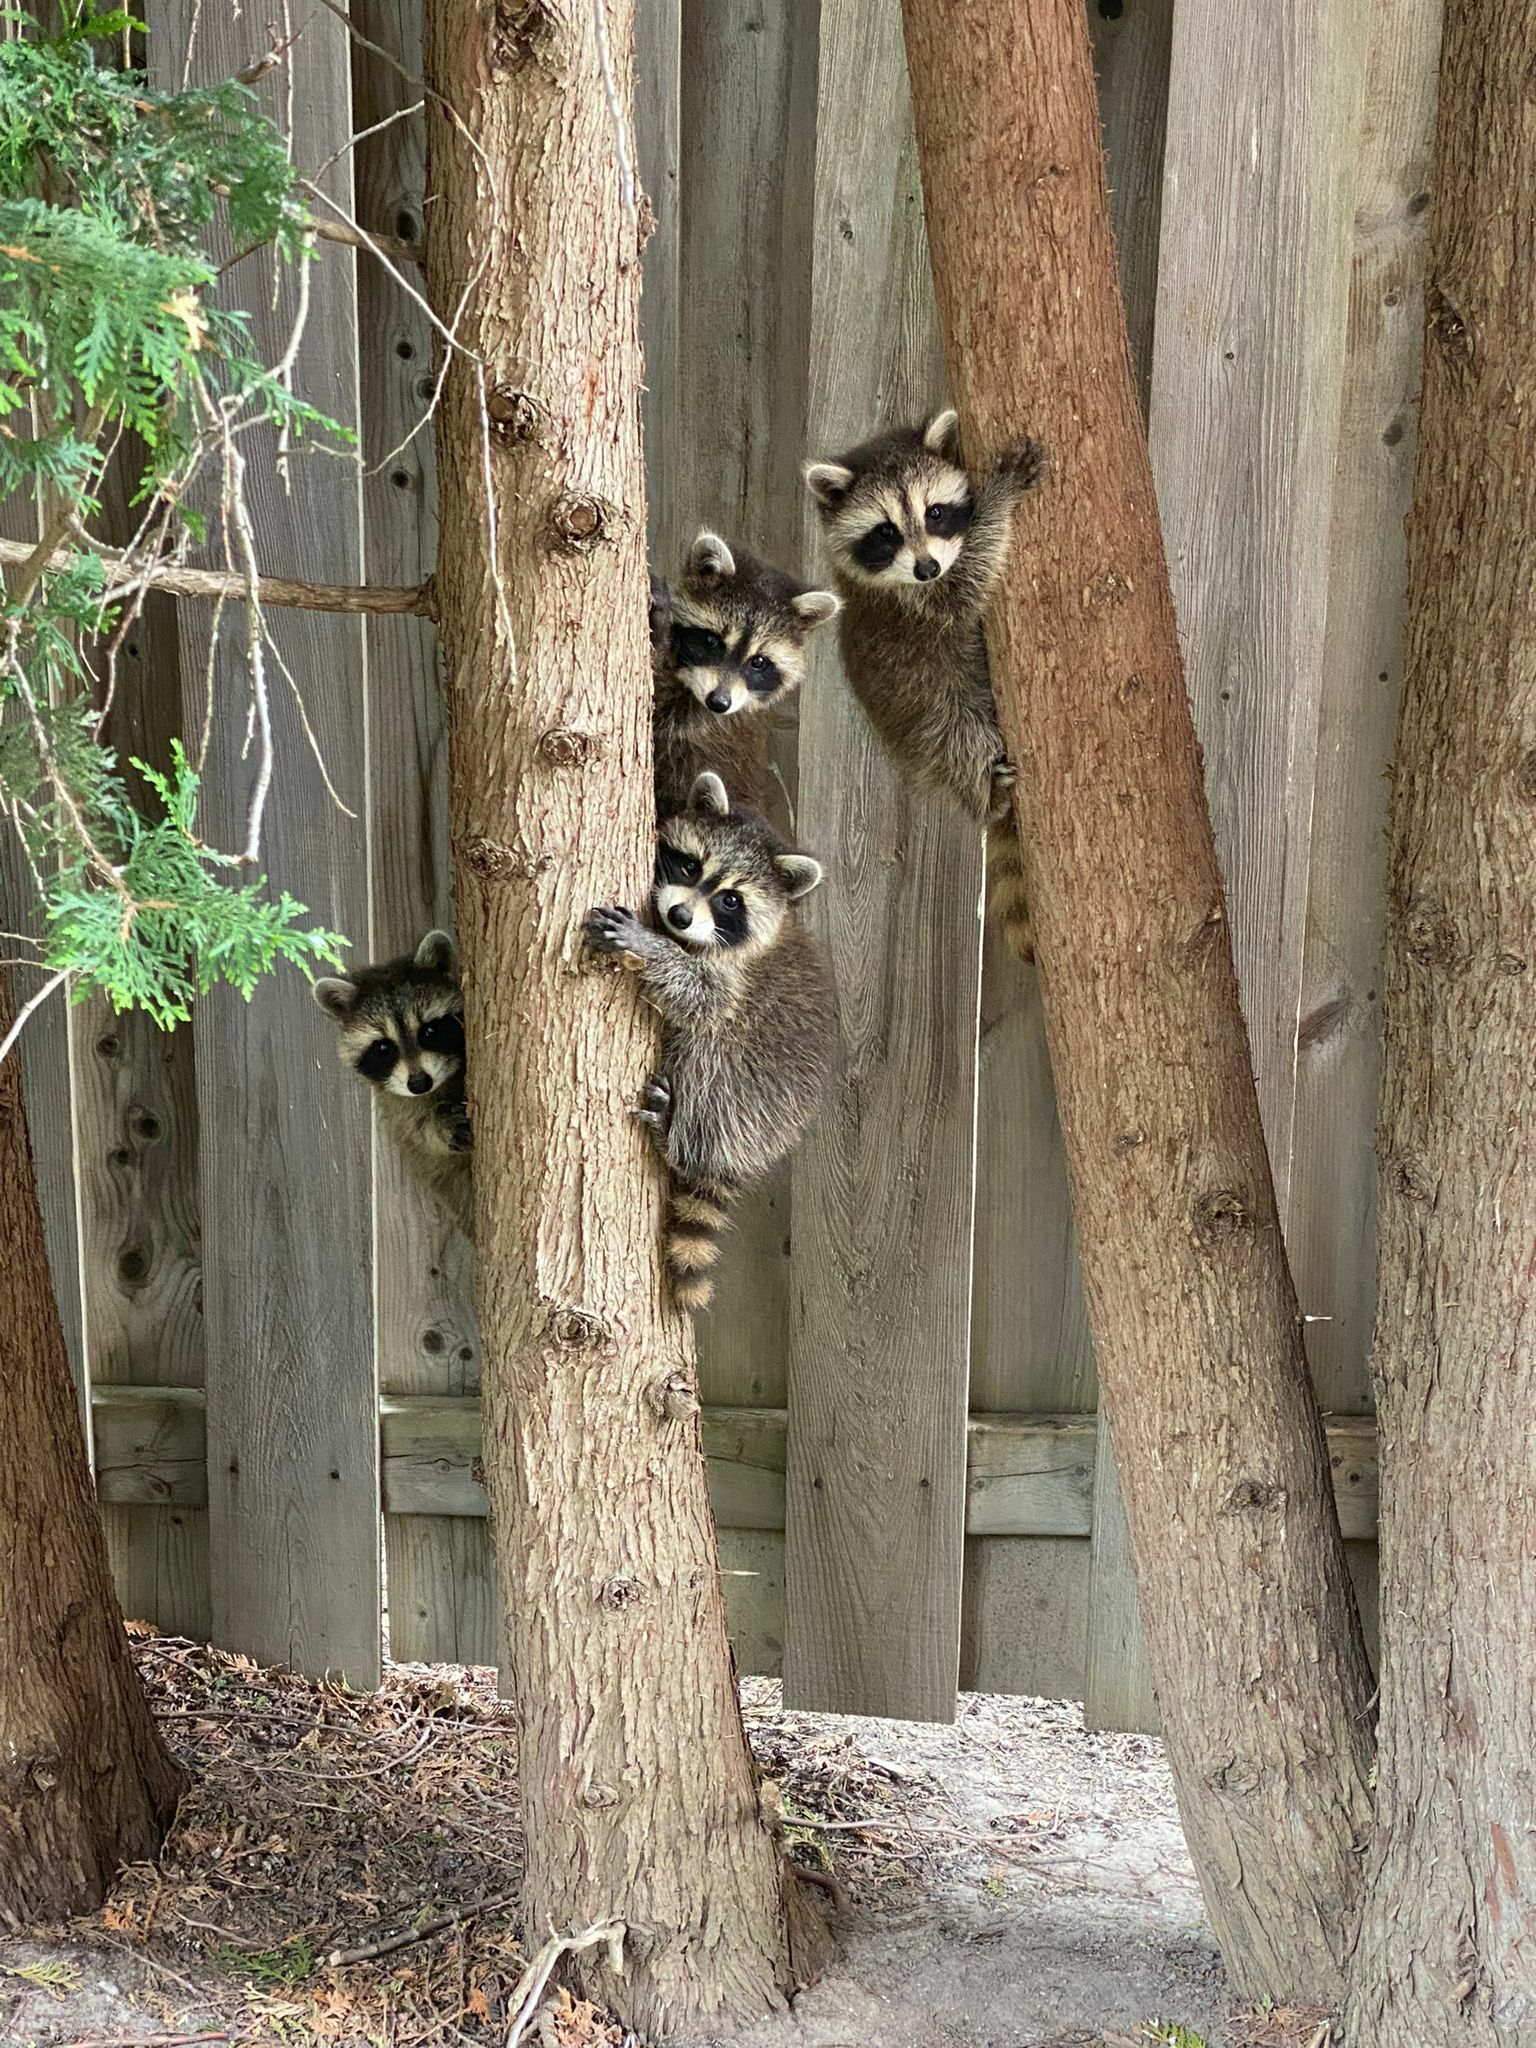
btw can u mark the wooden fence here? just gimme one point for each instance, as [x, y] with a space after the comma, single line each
[913, 1488]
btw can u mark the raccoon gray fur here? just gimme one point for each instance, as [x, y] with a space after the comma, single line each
[401, 1026]
[747, 1015]
[727, 644]
[918, 547]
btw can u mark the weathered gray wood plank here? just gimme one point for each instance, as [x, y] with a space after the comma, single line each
[424, 1271]
[735, 412]
[884, 1185]
[293, 1458]
[1333, 1206]
[658, 153]
[1264, 111]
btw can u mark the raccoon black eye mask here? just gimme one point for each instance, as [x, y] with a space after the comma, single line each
[400, 1026]
[746, 1015]
[918, 547]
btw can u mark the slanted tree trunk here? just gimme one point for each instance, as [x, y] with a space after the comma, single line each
[1448, 1950]
[85, 1785]
[1250, 1621]
[639, 1795]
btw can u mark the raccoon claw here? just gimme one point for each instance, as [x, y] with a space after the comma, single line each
[614, 930]
[655, 1110]
[461, 1138]
[1025, 466]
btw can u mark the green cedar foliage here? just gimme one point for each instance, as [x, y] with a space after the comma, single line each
[109, 191]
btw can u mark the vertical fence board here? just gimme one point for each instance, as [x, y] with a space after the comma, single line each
[292, 1433]
[1132, 57]
[658, 144]
[136, 1121]
[1333, 1208]
[427, 1341]
[884, 1183]
[1253, 278]
[747, 147]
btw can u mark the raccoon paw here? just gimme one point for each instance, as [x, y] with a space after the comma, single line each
[460, 1137]
[1004, 776]
[615, 930]
[1025, 466]
[655, 1108]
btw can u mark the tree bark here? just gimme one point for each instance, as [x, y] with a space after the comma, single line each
[639, 1793]
[1250, 1619]
[85, 1785]
[1448, 1949]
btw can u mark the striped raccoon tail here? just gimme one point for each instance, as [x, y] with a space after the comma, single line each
[1005, 889]
[697, 1212]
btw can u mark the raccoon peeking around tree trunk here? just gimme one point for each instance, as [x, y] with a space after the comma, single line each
[747, 1017]
[728, 642]
[401, 1025]
[918, 547]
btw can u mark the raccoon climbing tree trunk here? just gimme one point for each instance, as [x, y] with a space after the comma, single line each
[1448, 1951]
[1250, 1621]
[639, 1796]
[85, 1785]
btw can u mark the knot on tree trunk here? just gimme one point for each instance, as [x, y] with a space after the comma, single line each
[1220, 1216]
[675, 1398]
[579, 522]
[1430, 936]
[621, 1591]
[565, 746]
[514, 415]
[493, 862]
[574, 1330]
[1253, 1496]
[520, 32]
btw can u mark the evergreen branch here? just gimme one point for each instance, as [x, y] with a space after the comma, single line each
[124, 577]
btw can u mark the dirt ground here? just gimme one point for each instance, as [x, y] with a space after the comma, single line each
[344, 1869]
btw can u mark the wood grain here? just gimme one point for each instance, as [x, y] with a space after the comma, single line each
[879, 1348]
[1333, 1208]
[293, 1461]
[737, 418]
[1264, 108]
[427, 1341]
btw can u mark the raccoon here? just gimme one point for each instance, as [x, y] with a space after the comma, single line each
[402, 1030]
[727, 643]
[918, 547]
[747, 1015]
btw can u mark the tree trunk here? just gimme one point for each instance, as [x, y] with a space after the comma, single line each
[85, 1785]
[1250, 1620]
[639, 1794]
[1448, 1950]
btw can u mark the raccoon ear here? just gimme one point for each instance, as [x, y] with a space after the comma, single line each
[828, 481]
[939, 434]
[709, 557]
[709, 794]
[438, 954]
[816, 606]
[335, 996]
[801, 873]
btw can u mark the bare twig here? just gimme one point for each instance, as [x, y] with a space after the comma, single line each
[32, 1003]
[340, 1957]
[125, 575]
[615, 112]
[143, 2040]
[374, 128]
[530, 1986]
[369, 241]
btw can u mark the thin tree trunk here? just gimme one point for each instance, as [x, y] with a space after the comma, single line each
[1448, 1951]
[85, 1785]
[639, 1794]
[1250, 1620]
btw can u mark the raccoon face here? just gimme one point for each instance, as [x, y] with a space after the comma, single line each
[738, 629]
[723, 881]
[897, 511]
[401, 1023]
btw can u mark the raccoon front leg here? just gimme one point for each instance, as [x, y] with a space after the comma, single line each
[673, 980]
[1016, 472]
[655, 1110]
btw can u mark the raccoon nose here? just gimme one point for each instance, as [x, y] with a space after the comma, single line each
[925, 568]
[420, 1083]
[719, 700]
[679, 916]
